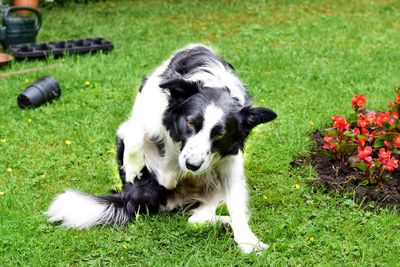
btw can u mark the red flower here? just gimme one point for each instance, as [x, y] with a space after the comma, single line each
[381, 132]
[395, 115]
[384, 155]
[361, 116]
[396, 140]
[362, 123]
[328, 138]
[330, 147]
[361, 143]
[371, 136]
[389, 162]
[358, 102]
[364, 131]
[397, 101]
[371, 117]
[340, 123]
[384, 118]
[392, 164]
[364, 154]
[356, 131]
[387, 143]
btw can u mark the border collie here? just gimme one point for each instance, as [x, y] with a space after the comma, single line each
[181, 147]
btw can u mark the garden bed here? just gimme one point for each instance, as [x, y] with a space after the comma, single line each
[335, 178]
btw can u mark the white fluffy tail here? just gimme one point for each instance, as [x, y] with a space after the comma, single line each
[80, 210]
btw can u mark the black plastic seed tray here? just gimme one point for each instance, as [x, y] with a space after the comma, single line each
[57, 49]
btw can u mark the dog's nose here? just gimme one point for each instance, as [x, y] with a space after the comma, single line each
[193, 167]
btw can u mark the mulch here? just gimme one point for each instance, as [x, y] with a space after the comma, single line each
[336, 178]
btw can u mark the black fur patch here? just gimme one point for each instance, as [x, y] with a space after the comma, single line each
[119, 155]
[181, 89]
[159, 143]
[144, 195]
[144, 80]
[189, 60]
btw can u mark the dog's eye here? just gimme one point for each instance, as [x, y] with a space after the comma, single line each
[190, 125]
[217, 136]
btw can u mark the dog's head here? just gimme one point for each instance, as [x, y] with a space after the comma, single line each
[208, 121]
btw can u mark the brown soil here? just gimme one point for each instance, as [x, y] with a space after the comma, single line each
[346, 179]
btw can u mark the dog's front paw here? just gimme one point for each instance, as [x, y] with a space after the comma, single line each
[251, 246]
[226, 220]
[200, 218]
[204, 217]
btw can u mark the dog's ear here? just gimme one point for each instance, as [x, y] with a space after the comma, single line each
[253, 116]
[181, 89]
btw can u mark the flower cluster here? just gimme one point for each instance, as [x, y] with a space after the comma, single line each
[366, 140]
[358, 102]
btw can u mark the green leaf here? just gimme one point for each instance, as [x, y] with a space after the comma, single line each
[326, 153]
[362, 166]
[386, 126]
[379, 141]
[377, 163]
[332, 131]
[392, 126]
[349, 134]
[353, 117]
[349, 148]
[361, 137]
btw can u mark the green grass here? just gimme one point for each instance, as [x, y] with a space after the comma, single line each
[305, 60]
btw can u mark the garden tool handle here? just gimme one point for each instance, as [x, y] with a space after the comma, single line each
[28, 8]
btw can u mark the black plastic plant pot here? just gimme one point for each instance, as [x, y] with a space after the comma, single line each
[43, 90]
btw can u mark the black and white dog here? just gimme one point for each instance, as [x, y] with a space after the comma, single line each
[182, 145]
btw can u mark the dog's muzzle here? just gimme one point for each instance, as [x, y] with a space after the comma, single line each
[193, 166]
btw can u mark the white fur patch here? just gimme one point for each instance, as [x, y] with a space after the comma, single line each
[78, 210]
[198, 148]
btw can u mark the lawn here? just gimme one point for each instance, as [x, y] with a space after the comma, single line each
[305, 60]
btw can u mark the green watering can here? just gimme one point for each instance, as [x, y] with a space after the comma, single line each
[19, 30]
